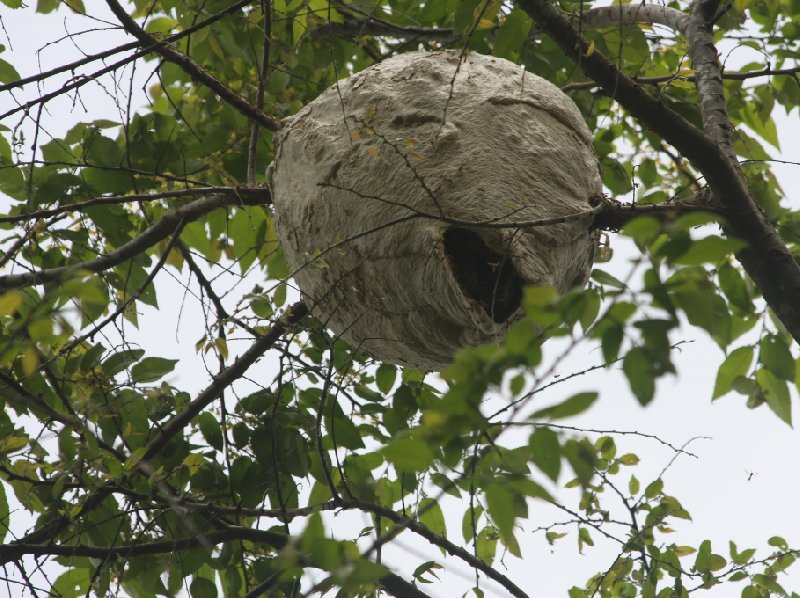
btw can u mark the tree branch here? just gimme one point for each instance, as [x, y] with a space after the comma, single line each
[83, 80]
[437, 540]
[225, 378]
[158, 231]
[766, 259]
[254, 194]
[14, 551]
[194, 70]
[375, 27]
[263, 76]
[708, 77]
[732, 76]
[630, 14]
[613, 214]
[393, 583]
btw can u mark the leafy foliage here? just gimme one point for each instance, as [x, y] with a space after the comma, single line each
[140, 482]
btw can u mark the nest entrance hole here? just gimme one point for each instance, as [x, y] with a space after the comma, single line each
[487, 277]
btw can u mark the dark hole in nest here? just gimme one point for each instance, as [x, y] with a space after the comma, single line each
[486, 276]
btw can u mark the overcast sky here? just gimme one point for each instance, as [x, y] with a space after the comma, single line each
[742, 485]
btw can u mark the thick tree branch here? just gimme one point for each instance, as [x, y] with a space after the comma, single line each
[766, 258]
[394, 584]
[194, 70]
[614, 215]
[732, 76]
[12, 552]
[372, 26]
[157, 232]
[708, 77]
[630, 14]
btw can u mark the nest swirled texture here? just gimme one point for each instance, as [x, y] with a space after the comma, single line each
[400, 195]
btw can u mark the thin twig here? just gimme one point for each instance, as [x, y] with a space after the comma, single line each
[263, 77]
[194, 70]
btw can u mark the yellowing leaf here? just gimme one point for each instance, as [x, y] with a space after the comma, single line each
[194, 462]
[485, 24]
[355, 135]
[590, 50]
[9, 302]
[374, 150]
[13, 443]
[682, 83]
[222, 347]
[30, 361]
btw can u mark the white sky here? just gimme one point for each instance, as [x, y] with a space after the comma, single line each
[717, 488]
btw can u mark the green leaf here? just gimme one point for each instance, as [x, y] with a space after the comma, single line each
[512, 34]
[574, 405]
[428, 567]
[7, 72]
[643, 229]
[409, 454]
[711, 249]
[703, 560]
[582, 458]
[776, 357]
[638, 369]
[734, 287]
[202, 588]
[486, 544]
[776, 393]
[121, 360]
[12, 182]
[431, 516]
[151, 369]
[209, 428]
[500, 505]
[72, 583]
[385, 376]
[546, 451]
[5, 520]
[654, 488]
[736, 364]
[604, 278]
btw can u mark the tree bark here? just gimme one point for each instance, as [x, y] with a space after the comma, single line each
[766, 258]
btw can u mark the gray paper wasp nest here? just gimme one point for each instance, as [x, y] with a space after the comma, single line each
[401, 194]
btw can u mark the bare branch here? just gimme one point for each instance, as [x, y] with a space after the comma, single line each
[83, 80]
[194, 70]
[614, 215]
[158, 231]
[263, 76]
